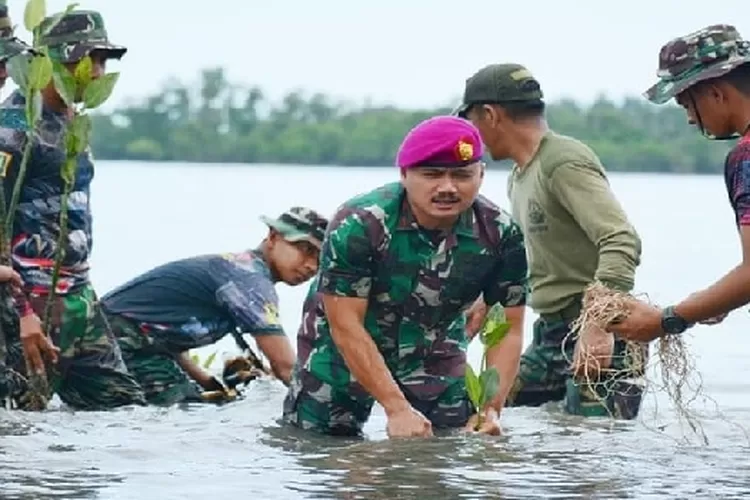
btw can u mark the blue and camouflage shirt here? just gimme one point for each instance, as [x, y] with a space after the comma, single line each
[417, 285]
[195, 301]
[37, 219]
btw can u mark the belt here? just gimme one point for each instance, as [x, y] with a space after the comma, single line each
[567, 313]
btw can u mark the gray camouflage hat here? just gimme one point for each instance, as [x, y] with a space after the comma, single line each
[76, 35]
[299, 224]
[710, 52]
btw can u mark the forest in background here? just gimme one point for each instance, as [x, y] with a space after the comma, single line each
[218, 121]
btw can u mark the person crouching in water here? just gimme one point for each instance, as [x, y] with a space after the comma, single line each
[160, 315]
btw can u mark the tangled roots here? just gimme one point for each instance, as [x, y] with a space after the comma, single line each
[603, 306]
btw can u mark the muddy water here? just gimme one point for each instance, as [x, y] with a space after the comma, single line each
[205, 451]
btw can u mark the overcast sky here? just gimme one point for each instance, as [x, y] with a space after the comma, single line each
[411, 52]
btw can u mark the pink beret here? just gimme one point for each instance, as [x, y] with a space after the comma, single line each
[440, 141]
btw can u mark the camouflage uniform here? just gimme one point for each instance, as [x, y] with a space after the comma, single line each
[90, 373]
[194, 302]
[417, 285]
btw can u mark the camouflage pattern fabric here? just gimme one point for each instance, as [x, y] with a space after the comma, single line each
[13, 384]
[90, 373]
[299, 224]
[163, 380]
[686, 60]
[11, 47]
[78, 34]
[417, 284]
[545, 375]
[36, 223]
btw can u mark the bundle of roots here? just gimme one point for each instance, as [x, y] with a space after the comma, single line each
[593, 355]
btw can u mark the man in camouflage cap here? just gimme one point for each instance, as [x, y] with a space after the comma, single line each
[575, 233]
[383, 320]
[190, 303]
[90, 372]
[10, 46]
[708, 73]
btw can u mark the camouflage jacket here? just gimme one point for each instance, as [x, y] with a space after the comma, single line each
[417, 288]
[36, 224]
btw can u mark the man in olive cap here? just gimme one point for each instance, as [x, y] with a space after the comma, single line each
[383, 320]
[575, 232]
[189, 303]
[89, 372]
[708, 73]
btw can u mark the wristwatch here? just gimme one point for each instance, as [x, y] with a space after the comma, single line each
[672, 323]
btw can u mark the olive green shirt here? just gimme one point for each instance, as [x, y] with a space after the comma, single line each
[575, 230]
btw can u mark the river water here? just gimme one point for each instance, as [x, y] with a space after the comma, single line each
[146, 214]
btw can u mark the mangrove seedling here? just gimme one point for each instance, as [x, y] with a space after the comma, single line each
[32, 73]
[483, 388]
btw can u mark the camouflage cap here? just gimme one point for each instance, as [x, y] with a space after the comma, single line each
[11, 47]
[686, 60]
[299, 224]
[76, 35]
[497, 84]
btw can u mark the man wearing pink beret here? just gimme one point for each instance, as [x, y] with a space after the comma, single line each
[384, 320]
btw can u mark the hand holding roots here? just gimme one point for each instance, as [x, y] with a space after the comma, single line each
[603, 306]
[238, 371]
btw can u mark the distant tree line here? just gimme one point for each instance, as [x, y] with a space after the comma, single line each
[219, 121]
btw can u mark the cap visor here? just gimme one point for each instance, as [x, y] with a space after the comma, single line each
[112, 51]
[460, 110]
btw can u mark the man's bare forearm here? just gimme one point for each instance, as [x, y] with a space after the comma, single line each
[506, 358]
[368, 367]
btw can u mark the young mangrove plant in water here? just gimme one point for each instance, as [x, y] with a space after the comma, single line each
[483, 388]
[80, 93]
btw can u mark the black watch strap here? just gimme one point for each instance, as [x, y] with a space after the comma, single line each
[672, 323]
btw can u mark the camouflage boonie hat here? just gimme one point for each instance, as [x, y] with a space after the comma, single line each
[76, 35]
[299, 224]
[686, 60]
[498, 84]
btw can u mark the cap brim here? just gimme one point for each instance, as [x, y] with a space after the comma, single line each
[460, 110]
[14, 48]
[113, 51]
[290, 233]
[662, 91]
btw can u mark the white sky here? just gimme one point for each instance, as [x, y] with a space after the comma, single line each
[410, 53]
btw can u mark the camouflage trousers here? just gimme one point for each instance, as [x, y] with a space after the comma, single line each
[156, 369]
[90, 373]
[545, 374]
[314, 405]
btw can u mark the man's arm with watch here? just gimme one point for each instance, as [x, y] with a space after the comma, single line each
[729, 293]
[645, 322]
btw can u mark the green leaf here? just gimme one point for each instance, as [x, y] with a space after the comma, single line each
[80, 131]
[58, 17]
[195, 358]
[18, 70]
[489, 380]
[209, 360]
[40, 72]
[473, 387]
[65, 84]
[99, 90]
[82, 74]
[34, 13]
[495, 326]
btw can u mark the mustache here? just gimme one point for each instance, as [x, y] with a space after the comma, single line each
[446, 199]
